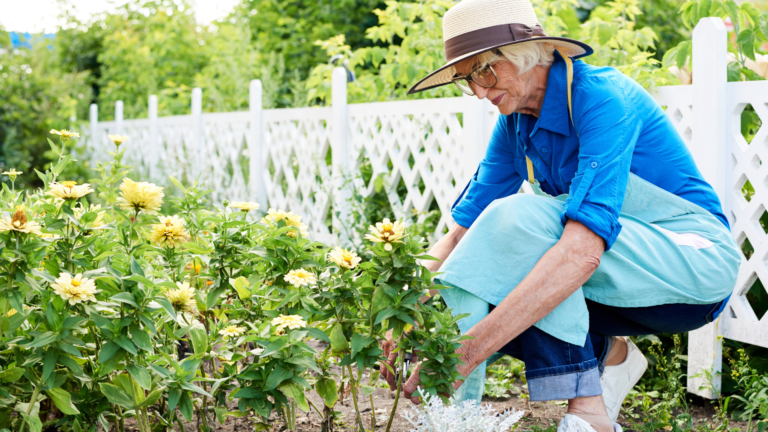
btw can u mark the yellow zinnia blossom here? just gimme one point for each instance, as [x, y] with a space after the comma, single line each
[20, 223]
[140, 196]
[290, 321]
[232, 331]
[12, 174]
[344, 258]
[65, 134]
[11, 313]
[169, 232]
[182, 299]
[291, 219]
[69, 190]
[75, 290]
[118, 139]
[244, 206]
[300, 277]
[387, 232]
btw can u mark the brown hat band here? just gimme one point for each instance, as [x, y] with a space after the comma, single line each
[489, 37]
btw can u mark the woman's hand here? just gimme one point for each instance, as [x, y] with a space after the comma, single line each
[389, 347]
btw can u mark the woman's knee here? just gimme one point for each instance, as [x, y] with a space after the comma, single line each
[528, 212]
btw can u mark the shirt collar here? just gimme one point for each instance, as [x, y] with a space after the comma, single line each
[554, 110]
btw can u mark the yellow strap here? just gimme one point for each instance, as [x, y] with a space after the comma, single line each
[569, 68]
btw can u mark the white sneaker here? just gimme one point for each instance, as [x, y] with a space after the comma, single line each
[618, 380]
[572, 423]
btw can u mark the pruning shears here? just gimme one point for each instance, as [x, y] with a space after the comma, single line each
[405, 366]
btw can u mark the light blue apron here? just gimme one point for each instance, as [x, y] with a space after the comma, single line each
[669, 251]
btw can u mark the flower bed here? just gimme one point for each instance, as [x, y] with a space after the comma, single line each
[113, 311]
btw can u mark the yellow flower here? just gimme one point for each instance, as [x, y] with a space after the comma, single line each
[232, 331]
[290, 321]
[300, 277]
[75, 290]
[69, 190]
[169, 232]
[140, 196]
[182, 299]
[20, 223]
[386, 232]
[344, 258]
[11, 312]
[291, 219]
[117, 139]
[65, 134]
[245, 206]
[12, 174]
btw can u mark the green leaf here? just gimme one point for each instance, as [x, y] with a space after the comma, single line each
[213, 297]
[34, 423]
[125, 297]
[317, 334]
[277, 376]
[136, 267]
[108, 351]
[141, 339]
[359, 342]
[275, 346]
[141, 375]
[326, 388]
[295, 392]
[174, 395]
[62, 164]
[43, 340]
[185, 406]
[54, 147]
[12, 374]
[747, 41]
[125, 344]
[241, 286]
[116, 395]
[367, 390]
[49, 363]
[380, 301]
[166, 304]
[141, 279]
[199, 339]
[63, 401]
[339, 342]
[152, 398]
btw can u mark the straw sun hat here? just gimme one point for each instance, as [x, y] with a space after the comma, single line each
[474, 26]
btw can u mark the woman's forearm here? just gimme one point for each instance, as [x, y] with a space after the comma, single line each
[557, 275]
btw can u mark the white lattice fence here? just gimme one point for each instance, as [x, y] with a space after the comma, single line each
[303, 160]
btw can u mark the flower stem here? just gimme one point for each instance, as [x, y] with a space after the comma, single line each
[32, 401]
[399, 388]
[354, 398]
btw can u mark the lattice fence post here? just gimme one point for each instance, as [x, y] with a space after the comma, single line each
[95, 140]
[256, 146]
[341, 157]
[474, 117]
[119, 117]
[152, 156]
[709, 139]
[197, 123]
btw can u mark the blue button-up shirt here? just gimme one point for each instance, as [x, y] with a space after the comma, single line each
[619, 129]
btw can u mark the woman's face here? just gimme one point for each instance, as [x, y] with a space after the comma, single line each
[513, 92]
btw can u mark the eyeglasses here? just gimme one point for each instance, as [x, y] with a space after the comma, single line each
[484, 76]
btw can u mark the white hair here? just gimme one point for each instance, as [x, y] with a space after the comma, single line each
[524, 56]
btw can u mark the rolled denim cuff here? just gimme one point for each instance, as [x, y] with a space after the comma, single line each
[565, 382]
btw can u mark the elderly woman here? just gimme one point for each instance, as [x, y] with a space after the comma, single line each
[622, 237]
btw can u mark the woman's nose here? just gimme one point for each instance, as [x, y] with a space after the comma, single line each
[480, 92]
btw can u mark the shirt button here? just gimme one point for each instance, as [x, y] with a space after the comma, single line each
[544, 150]
[593, 164]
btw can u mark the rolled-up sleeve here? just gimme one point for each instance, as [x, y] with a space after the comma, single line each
[608, 129]
[495, 178]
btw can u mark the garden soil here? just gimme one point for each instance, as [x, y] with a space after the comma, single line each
[539, 416]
